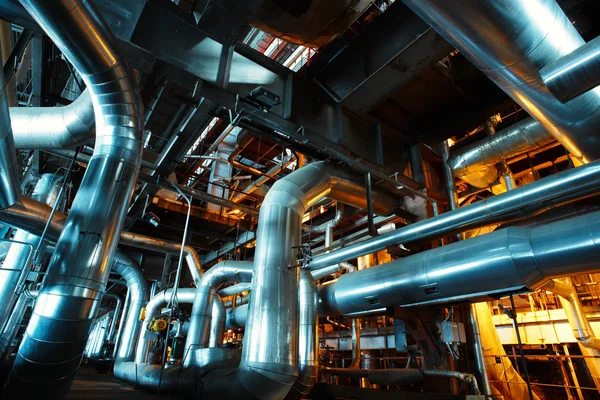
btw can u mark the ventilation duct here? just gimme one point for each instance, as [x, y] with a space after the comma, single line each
[511, 260]
[510, 41]
[475, 163]
[9, 169]
[57, 333]
[54, 127]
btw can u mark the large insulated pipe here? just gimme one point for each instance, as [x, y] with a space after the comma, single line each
[217, 323]
[522, 200]
[53, 346]
[46, 190]
[202, 310]
[474, 162]
[511, 260]
[54, 127]
[308, 339]
[510, 41]
[138, 296]
[9, 169]
[269, 367]
[31, 215]
[575, 73]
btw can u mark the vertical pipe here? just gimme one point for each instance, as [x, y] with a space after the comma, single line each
[520, 343]
[50, 353]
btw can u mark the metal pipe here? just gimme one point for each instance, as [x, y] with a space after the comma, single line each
[124, 315]
[570, 182]
[235, 289]
[217, 323]
[511, 260]
[480, 366]
[31, 215]
[510, 41]
[475, 163]
[575, 73]
[113, 322]
[269, 368]
[138, 294]
[237, 317]
[9, 168]
[54, 127]
[51, 351]
[19, 256]
[202, 310]
[402, 376]
[308, 338]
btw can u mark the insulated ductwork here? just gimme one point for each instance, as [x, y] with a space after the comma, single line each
[217, 323]
[9, 169]
[31, 215]
[202, 311]
[475, 163]
[308, 342]
[19, 255]
[139, 294]
[510, 41]
[534, 197]
[269, 367]
[512, 260]
[54, 127]
[57, 333]
[575, 73]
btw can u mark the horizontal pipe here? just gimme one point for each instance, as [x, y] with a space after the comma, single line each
[510, 41]
[571, 182]
[475, 163]
[54, 127]
[575, 73]
[511, 260]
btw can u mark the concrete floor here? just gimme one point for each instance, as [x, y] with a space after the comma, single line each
[90, 384]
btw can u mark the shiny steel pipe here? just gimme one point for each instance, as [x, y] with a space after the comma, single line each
[510, 41]
[475, 163]
[9, 169]
[54, 127]
[113, 322]
[572, 183]
[138, 294]
[31, 215]
[268, 368]
[237, 317]
[206, 291]
[511, 260]
[56, 336]
[308, 339]
[235, 289]
[217, 323]
[191, 257]
[18, 256]
[574, 74]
